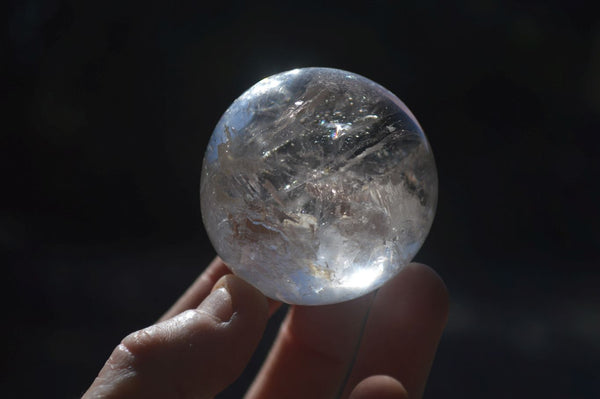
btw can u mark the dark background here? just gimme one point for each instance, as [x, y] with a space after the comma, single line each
[108, 107]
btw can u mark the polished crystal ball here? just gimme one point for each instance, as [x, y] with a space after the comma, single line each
[318, 186]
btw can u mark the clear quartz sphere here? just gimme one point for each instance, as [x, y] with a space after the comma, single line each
[318, 186]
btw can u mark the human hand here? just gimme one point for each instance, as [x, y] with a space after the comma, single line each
[381, 345]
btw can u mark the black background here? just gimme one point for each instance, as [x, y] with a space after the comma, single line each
[108, 107]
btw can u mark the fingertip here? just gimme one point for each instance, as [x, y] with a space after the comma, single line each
[429, 274]
[199, 290]
[218, 304]
[432, 289]
[379, 387]
[245, 297]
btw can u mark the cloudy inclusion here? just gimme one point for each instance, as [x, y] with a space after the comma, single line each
[318, 186]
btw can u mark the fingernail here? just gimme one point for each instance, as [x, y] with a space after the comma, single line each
[218, 302]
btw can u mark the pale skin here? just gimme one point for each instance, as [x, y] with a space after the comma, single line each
[379, 346]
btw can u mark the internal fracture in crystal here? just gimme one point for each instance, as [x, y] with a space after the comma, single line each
[318, 186]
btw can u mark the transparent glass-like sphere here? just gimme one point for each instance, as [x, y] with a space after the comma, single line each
[318, 186]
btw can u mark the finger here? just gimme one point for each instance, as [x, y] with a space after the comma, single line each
[312, 352]
[405, 324]
[379, 387]
[202, 287]
[194, 354]
[199, 289]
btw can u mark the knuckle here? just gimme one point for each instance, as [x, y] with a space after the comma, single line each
[142, 341]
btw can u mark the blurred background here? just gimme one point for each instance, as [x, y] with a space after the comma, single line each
[108, 107]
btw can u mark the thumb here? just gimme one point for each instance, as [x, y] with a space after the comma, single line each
[379, 387]
[194, 354]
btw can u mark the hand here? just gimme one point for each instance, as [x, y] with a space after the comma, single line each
[379, 346]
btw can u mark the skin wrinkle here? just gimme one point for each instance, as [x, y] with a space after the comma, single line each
[120, 355]
[211, 316]
[120, 364]
[204, 324]
[115, 378]
[138, 342]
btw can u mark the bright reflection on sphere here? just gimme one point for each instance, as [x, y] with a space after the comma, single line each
[318, 186]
